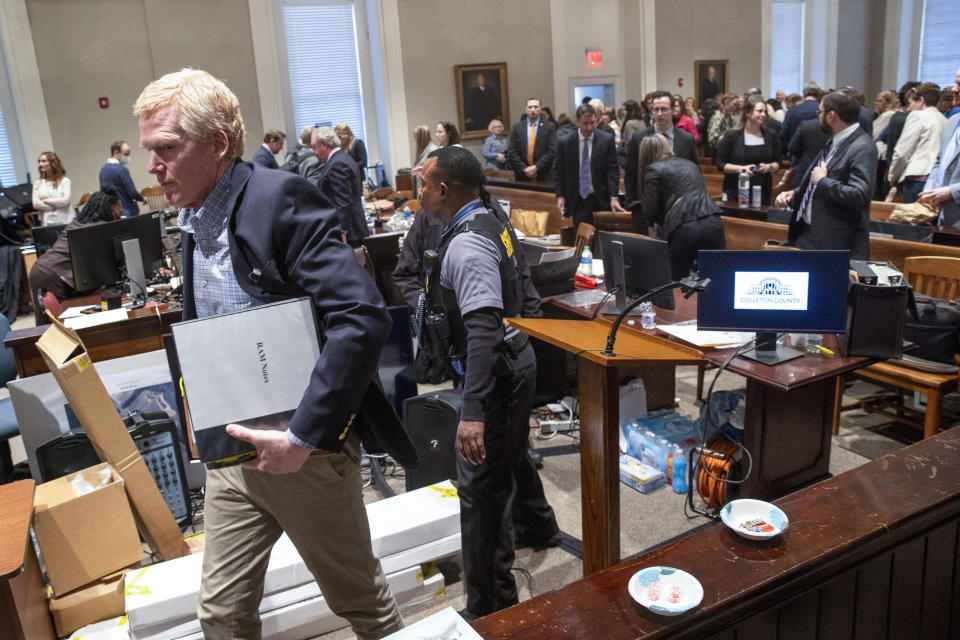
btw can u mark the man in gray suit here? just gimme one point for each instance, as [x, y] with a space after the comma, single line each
[832, 204]
[684, 146]
[943, 185]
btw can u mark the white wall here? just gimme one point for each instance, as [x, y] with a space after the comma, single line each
[88, 49]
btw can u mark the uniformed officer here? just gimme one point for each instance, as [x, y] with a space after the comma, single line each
[480, 282]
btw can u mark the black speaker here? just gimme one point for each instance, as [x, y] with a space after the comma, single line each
[64, 455]
[431, 422]
[875, 320]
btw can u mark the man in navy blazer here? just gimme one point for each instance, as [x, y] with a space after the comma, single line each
[532, 161]
[831, 207]
[340, 181]
[266, 153]
[804, 110]
[583, 188]
[115, 174]
[250, 236]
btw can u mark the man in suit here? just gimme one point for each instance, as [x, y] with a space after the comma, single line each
[805, 145]
[532, 145]
[598, 107]
[919, 144]
[339, 180]
[300, 152]
[708, 86]
[943, 185]
[805, 110]
[115, 174]
[831, 207]
[482, 106]
[272, 143]
[684, 145]
[250, 236]
[586, 176]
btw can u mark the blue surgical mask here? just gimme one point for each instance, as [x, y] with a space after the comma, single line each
[124, 159]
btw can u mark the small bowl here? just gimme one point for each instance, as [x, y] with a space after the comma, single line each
[665, 590]
[754, 519]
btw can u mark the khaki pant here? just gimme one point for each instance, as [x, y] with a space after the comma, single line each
[321, 509]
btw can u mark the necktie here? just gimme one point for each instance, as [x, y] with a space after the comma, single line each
[825, 155]
[531, 140]
[585, 179]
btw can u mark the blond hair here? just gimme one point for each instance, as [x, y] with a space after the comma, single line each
[346, 136]
[653, 148]
[204, 106]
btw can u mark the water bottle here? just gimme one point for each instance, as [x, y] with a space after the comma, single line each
[407, 216]
[586, 262]
[743, 189]
[648, 316]
[678, 464]
[635, 441]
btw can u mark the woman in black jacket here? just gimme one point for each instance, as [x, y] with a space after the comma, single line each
[675, 199]
[751, 146]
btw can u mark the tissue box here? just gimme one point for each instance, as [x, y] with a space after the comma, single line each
[84, 537]
[638, 475]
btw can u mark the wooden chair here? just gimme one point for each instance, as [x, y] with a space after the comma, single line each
[401, 195]
[404, 181]
[83, 199]
[156, 200]
[934, 276]
[613, 221]
[380, 194]
[585, 235]
[413, 204]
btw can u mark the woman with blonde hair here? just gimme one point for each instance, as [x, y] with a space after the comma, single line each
[51, 193]
[674, 198]
[425, 145]
[886, 104]
[495, 146]
[352, 146]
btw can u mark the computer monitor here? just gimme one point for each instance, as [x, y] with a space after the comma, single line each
[645, 266]
[21, 194]
[774, 291]
[97, 252]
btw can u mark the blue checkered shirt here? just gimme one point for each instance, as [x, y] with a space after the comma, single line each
[215, 287]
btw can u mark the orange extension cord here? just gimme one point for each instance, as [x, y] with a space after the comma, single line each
[712, 490]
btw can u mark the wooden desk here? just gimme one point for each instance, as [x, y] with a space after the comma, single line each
[141, 332]
[871, 553]
[789, 411]
[23, 601]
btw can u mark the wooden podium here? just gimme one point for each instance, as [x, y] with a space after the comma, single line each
[599, 385]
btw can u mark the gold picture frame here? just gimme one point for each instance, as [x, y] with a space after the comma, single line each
[701, 70]
[478, 103]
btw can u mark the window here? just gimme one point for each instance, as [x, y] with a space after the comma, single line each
[938, 42]
[8, 175]
[786, 57]
[324, 66]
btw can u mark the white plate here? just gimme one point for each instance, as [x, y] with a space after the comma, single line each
[665, 590]
[754, 519]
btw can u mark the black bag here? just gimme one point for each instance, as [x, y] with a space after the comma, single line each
[875, 321]
[935, 329]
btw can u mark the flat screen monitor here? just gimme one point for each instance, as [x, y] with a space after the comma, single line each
[646, 266]
[774, 291]
[96, 251]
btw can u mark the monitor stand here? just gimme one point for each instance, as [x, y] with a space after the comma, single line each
[133, 260]
[769, 352]
[616, 279]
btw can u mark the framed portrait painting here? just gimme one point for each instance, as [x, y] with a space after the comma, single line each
[713, 78]
[481, 97]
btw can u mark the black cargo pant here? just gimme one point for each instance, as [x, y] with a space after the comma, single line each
[488, 491]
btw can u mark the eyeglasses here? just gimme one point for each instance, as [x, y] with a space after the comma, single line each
[660, 109]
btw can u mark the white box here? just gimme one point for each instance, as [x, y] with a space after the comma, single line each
[415, 518]
[439, 625]
[112, 629]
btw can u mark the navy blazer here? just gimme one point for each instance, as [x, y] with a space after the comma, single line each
[604, 170]
[265, 158]
[339, 180]
[841, 200]
[544, 149]
[285, 242]
[804, 110]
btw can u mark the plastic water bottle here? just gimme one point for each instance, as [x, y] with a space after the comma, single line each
[407, 216]
[743, 190]
[678, 464]
[635, 440]
[648, 316]
[586, 262]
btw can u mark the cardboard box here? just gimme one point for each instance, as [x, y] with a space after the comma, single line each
[639, 475]
[67, 359]
[93, 603]
[83, 537]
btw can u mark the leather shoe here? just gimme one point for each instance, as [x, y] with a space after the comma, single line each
[535, 457]
[537, 542]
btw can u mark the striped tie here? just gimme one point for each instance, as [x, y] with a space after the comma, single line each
[825, 155]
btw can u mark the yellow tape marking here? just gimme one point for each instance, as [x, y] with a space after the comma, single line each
[82, 362]
[133, 589]
[445, 492]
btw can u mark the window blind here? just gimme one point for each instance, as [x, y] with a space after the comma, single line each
[324, 66]
[939, 42]
[786, 55]
[8, 176]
